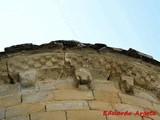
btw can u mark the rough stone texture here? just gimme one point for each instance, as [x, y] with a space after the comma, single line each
[37, 97]
[27, 78]
[58, 115]
[10, 100]
[147, 118]
[9, 89]
[148, 96]
[154, 117]
[130, 108]
[83, 76]
[124, 117]
[3, 71]
[157, 107]
[69, 80]
[67, 105]
[24, 109]
[56, 84]
[100, 105]
[136, 101]
[104, 86]
[73, 95]
[21, 117]
[85, 115]
[126, 84]
[106, 96]
[2, 113]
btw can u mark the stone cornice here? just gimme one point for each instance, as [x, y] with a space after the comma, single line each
[63, 45]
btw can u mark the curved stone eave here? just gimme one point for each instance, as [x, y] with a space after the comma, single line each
[82, 69]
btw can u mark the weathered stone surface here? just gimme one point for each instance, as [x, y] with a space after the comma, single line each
[9, 89]
[67, 105]
[100, 74]
[83, 76]
[57, 115]
[104, 86]
[29, 89]
[85, 115]
[155, 117]
[99, 105]
[124, 117]
[149, 96]
[2, 113]
[28, 78]
[37, 97]
[56, 84]
[129, 108]
[49, 64]
[37, 65]
[140, 81]
[21, 117]
[146, 118]
[3, 72]
[16, 63]
[24, 109]
[157, 107]
[35, 80]
[126, 84]
[57, 73]
[133, 101]
[10, 100]
[73, 95]
[106, 96]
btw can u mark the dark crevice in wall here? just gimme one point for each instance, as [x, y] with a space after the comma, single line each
[29, 116]
[66, 115]
[109, 77]
[10, 78]
[89, 105]
[5, 113]
[21, 98]
[45, 108]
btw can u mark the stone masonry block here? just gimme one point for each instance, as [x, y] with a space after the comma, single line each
[21, 117]
[106, 96]
[10, 100]
[132, 117]
[85, 115]
[73, 95]
[9, 89]
[100, 105]
[126, 107]
[67, 105]
[36, 97]
[132, 100]
[104, 86]
[56, 84]
[2, 113]
[24, 109]
[57, 115]
[147, 95]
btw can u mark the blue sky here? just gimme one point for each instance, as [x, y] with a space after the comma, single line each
[117, 23]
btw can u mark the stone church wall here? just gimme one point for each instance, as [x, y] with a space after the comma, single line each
[68, 80]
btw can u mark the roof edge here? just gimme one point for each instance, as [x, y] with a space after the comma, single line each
[63, 44]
